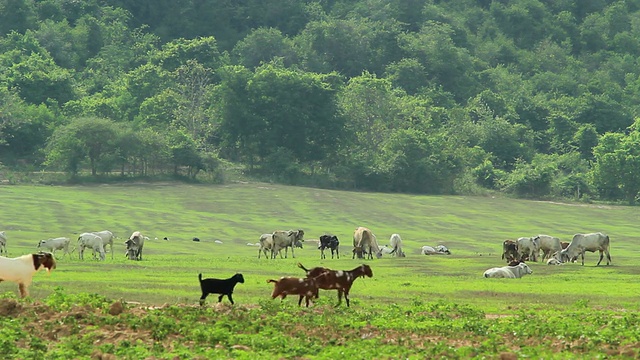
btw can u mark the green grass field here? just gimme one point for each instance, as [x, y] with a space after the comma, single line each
[415, 307]
[472, 227]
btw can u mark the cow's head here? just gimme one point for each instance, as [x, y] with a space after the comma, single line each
[131, 254]
[526, 268]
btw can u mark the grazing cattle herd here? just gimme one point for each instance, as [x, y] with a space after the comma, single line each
[515, 252]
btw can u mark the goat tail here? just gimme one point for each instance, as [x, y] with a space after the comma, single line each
[271, 281]
[302, 267]
[200, 277]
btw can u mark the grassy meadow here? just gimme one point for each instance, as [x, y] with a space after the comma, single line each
[473, 228]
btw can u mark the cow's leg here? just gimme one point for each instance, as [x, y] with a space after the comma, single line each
[582, 254]
[337, 253]
[608, 258]
[293, 256]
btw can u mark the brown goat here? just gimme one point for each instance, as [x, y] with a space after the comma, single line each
[340, 280]
[305, 287]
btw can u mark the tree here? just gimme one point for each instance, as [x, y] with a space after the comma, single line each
[91, 138]
[616, 170]
[193, 84]
[264, 45]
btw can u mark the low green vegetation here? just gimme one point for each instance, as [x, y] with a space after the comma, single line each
[414, 307]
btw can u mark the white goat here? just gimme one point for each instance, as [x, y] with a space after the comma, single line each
[20, 270]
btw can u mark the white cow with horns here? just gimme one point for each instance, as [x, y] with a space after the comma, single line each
[92, 241]
[60, 243]
[587, 242]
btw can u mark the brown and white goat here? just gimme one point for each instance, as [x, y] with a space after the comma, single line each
[20, 270]
[341, 280]
[305, 287]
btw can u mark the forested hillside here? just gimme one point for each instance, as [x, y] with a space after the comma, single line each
[536, 98]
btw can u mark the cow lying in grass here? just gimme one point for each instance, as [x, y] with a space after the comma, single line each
[510, 272]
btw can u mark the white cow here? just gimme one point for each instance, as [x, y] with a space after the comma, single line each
[528, 247]
[134, 244]
[285, 240]
[554, 261]
[438, 250]
[92, 241]
[61, 243]
[266, 244]
[3, 243]
[396, 244]
[587, 242]
[107, 239]
[549, 245]
[364, 242]
[385, 250]
[509, 272]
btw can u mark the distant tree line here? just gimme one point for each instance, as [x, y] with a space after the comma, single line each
[536, 98]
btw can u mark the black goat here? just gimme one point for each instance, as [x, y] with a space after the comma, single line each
[329, 242]
[219, 286]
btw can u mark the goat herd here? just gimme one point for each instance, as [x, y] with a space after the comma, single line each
[21, 269]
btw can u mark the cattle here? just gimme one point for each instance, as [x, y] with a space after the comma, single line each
[587, 242]
[107, 239]
[266, 244]
[61, 243]
[285, 240]
[364, 242]
[528, 248]
[438, 250]
[340, 280]
[549, 245]
[386, 250]
[396, 244]
[554, 261]
[92, 241]
[3, 243]
[509, 272]
[509, 250]
[20, 270]
[329, 242]
[134, 244]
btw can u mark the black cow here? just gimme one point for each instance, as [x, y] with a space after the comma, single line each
[329, 242]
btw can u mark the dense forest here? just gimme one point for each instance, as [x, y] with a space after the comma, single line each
[535, 98]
